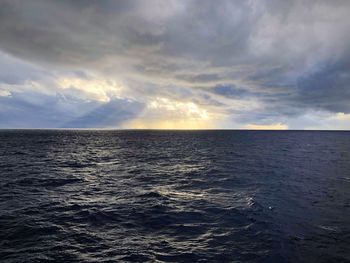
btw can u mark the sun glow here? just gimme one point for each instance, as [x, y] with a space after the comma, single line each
[163, 113]
[274, 126]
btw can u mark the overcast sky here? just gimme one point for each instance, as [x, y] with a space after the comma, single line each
[175, 64]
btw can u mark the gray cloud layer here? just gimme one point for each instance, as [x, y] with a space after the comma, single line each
[289, 56]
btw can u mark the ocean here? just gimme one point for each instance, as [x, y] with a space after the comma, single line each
[174, 196]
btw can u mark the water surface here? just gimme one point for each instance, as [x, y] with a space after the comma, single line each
[174, 196]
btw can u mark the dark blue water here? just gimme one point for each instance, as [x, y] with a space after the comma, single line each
[174, 196]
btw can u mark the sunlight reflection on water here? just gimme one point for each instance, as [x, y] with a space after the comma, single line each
[160, 196]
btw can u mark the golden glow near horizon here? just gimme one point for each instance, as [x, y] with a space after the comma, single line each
[163, 113]
[274, 126]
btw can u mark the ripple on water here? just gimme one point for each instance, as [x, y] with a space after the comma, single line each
[151, 196]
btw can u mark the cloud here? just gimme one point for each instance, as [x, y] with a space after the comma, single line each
[327, 87]
[243, 62]
[162, 113]
[342, 116]
[59, 111]
[109, 115]
[98, 89]
[5, 93]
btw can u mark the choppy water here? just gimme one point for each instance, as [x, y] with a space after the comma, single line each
[174, 196]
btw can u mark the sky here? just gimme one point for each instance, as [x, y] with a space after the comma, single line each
[175, 64]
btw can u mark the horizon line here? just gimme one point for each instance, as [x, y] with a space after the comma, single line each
[133, 129]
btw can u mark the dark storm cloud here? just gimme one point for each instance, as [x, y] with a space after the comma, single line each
[230, 91]
[199, 78]
[328, 87]
[80, 31]
[291, 56]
